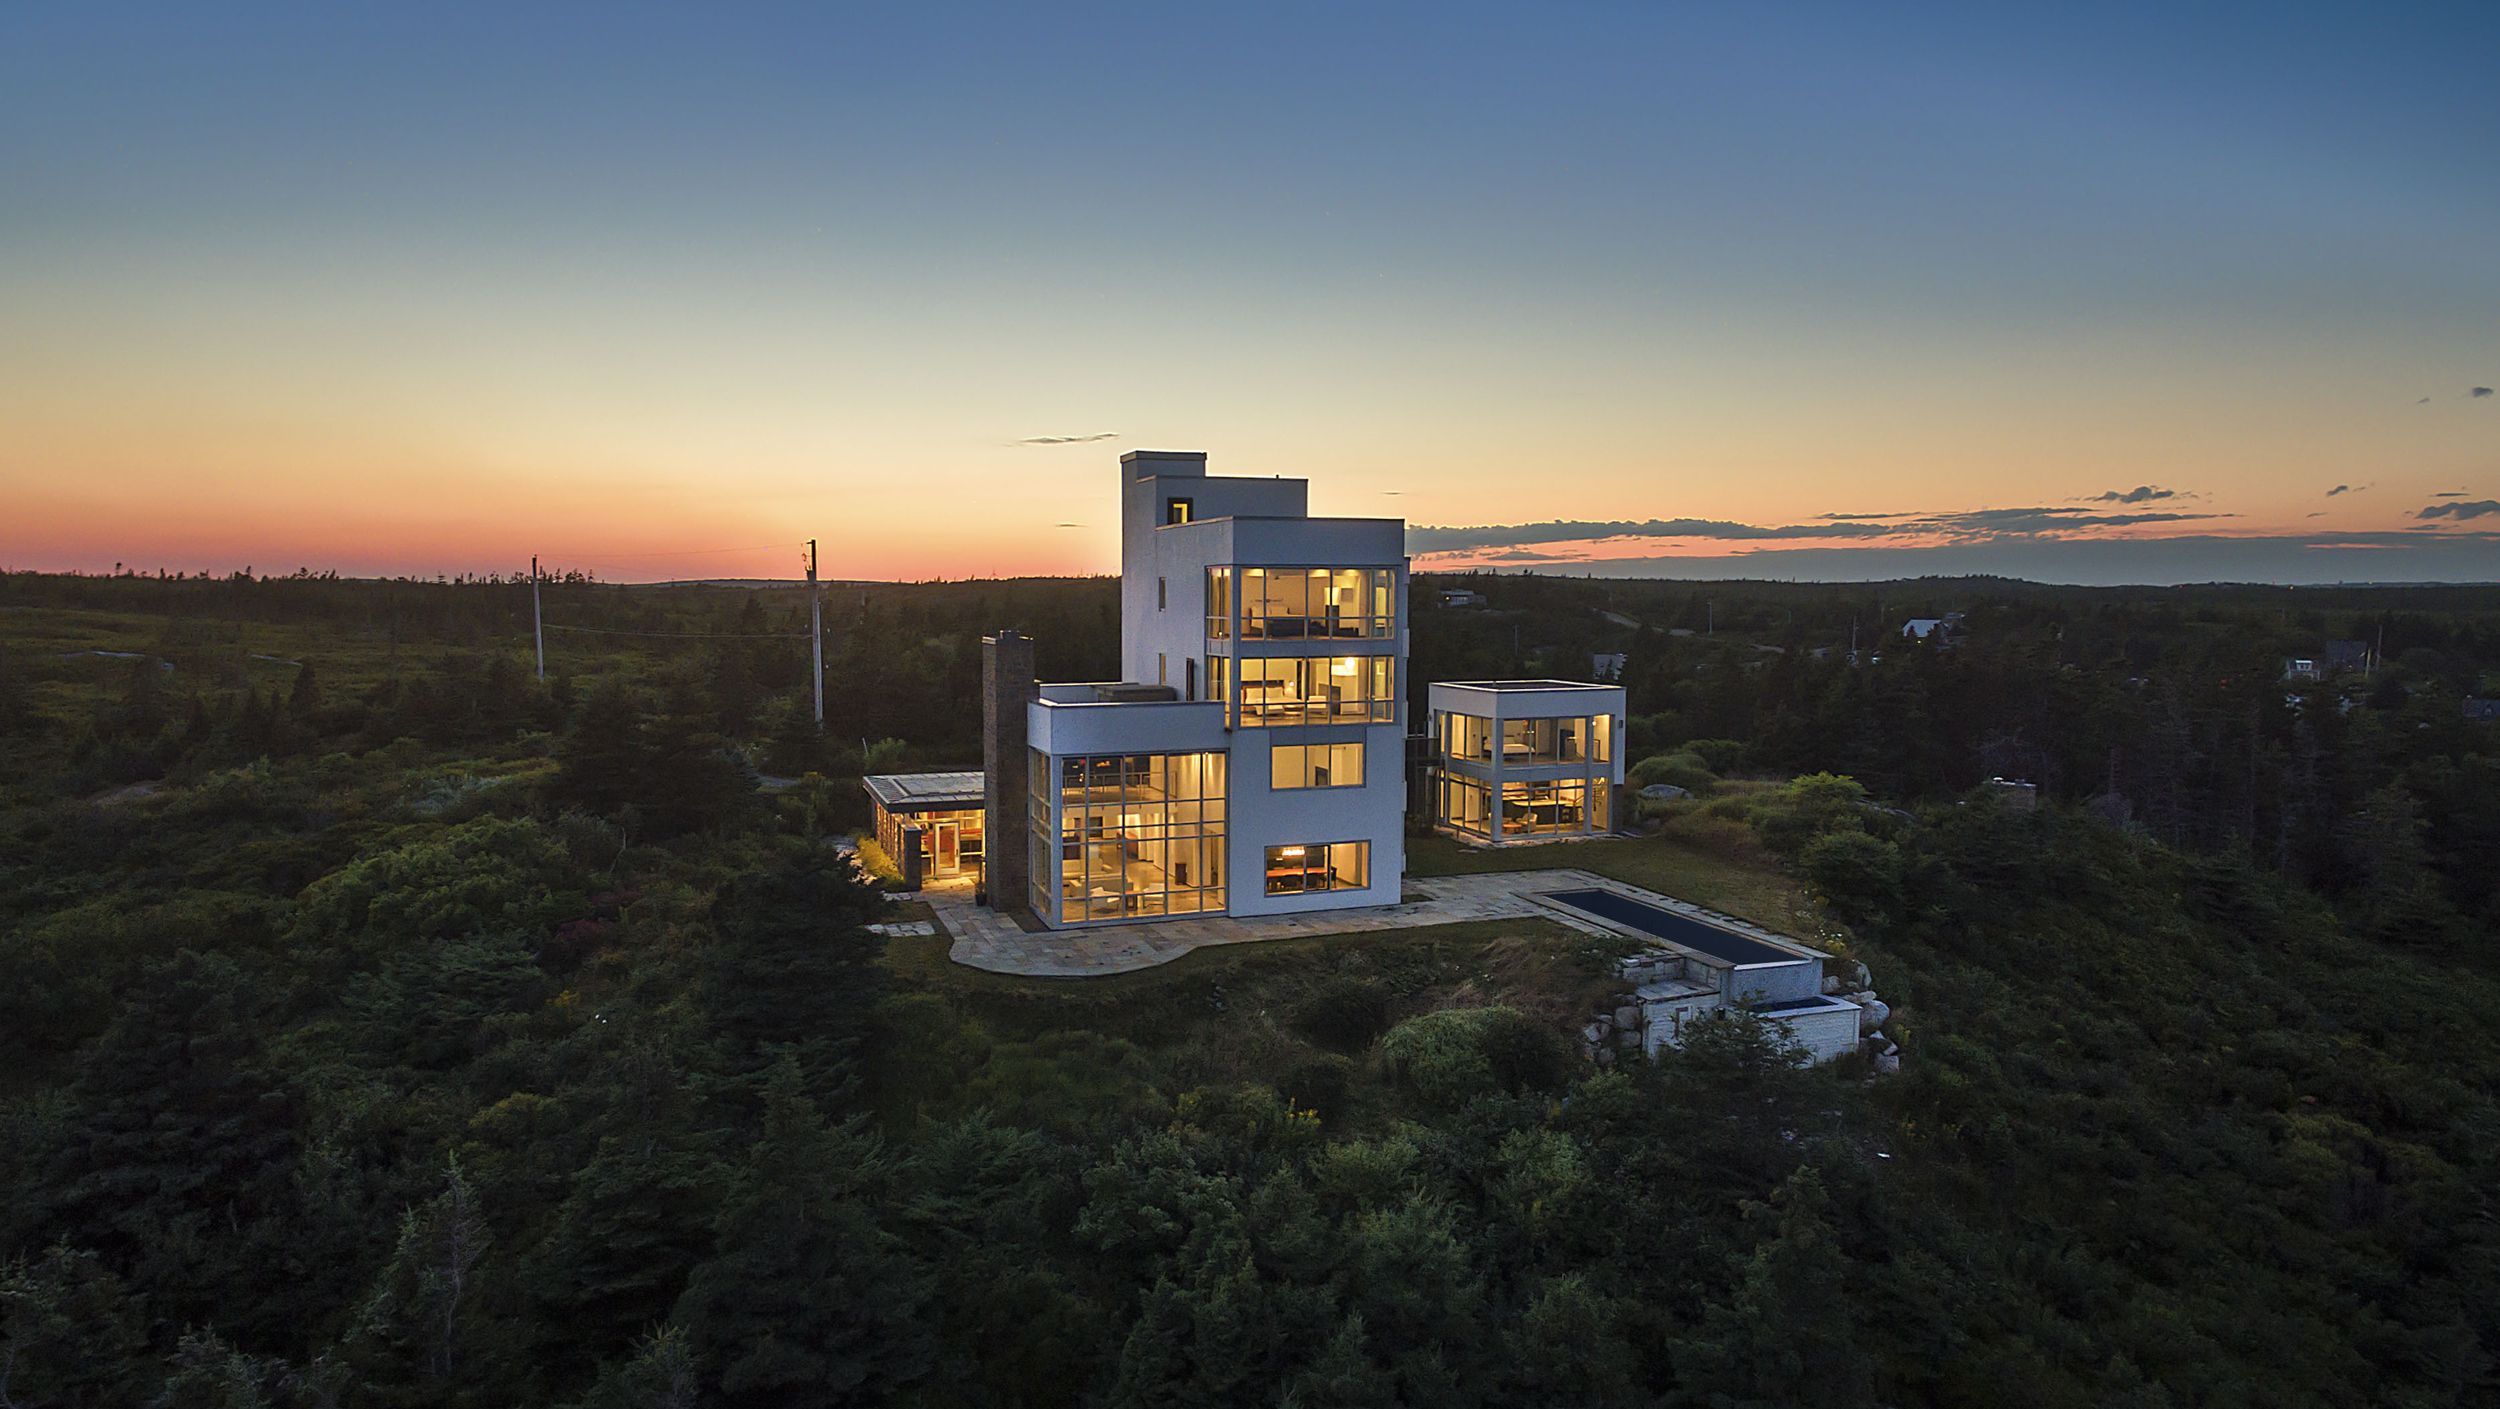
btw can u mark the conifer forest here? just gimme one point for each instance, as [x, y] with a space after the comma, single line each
[383, 1024]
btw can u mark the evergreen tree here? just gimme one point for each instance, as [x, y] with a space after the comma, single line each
[808, 1300]
[794, 970]
[70, 1334]
[176, 1168]
[601, 761]
[1784, 1336]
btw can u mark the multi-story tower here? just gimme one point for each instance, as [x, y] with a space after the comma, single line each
[1251, 762]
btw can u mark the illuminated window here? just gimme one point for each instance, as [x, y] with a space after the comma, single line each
[1466, 805]
[1176, 511]
[1316, 689]
[1219, 604]
[1139, 834]
[1316, 766]
[1309, 604]
[1560, 807]
[1345, 865]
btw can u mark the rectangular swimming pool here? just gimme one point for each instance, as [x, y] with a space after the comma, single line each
[1696, 935]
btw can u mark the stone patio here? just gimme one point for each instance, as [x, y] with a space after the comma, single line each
[985, 939]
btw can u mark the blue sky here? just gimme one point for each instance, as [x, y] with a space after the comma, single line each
[438, 289]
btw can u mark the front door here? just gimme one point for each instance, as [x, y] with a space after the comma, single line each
[947, 843]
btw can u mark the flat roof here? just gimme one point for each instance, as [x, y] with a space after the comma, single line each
[1526, 685]
[927, 792]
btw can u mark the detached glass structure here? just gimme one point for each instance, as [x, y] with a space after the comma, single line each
[1131, 835]
[1521, 760]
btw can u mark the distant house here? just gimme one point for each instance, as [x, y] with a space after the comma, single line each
[2483, 711]
[2345, 655]
[2020, 795]
[2299, 669]
[1461, 597]
[1942, 629]
[1606, 665]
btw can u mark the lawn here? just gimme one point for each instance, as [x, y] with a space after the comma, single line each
[1715, 866]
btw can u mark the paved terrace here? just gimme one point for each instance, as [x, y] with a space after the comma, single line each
[985, 939]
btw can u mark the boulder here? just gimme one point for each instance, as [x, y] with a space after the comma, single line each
[1888, 1064]
[1859, 976]
[1593, 1034]
[1832, 984]
[1871, 1014]
[1629, 1016]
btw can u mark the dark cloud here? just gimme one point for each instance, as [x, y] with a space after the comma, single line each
[1975, 525]
[2470, 509]
[1069, 439]
[1853, 517]
[1067, 525]
[2339, 489]
[2427, 554]
[1523, 555]
[2480, 391]
[1459, 540]
[1992, 521]
[2316, 514]
[2141, 494]
[2449, 494]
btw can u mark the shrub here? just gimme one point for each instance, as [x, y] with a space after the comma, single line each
[1449, 1058]
[1345, 1015]
[1720, 756]
[1319, 1085]
[1683, 770]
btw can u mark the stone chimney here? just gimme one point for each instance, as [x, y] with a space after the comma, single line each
[1007, 686]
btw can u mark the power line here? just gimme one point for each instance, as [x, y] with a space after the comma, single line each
[683, 635]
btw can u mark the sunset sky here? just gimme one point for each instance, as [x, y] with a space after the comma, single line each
[2158, 293]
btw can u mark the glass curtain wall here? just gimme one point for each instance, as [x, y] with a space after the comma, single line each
[1310, 604]
[1527, 807]
[1139, 835]
[1316, 689]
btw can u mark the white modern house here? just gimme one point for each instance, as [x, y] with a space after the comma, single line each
[1250, 762]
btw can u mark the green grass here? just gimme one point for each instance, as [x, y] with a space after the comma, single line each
[1718, 868]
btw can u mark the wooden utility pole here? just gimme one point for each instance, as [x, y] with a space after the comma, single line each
[816, 634]
[538, 622]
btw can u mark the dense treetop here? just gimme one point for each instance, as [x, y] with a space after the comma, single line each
[383, 1025]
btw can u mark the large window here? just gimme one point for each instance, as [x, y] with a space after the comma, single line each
[1316, 766]
[1540, 741]
[1345, 865]
[1219, 604]
[1140, 834]
[1530, 742]
[1316, 689]
[1309, 604]
[1563, 807]
[1466, 804]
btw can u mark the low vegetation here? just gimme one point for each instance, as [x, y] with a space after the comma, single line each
[377, 1038]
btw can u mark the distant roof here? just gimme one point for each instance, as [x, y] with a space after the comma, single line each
[927, 792]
